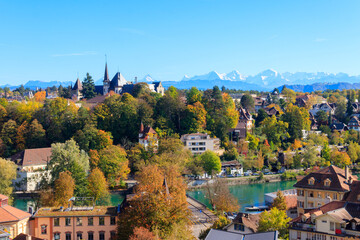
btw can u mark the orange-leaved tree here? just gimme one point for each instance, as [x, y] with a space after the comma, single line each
[64, 188]
[159, 204]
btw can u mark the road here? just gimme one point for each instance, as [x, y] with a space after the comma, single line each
[201, 217]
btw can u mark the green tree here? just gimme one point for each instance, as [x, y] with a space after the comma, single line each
[193, 96]
[322, 117]
[8, 135]
[36, 136]
[298, 120]
[68, 157]
[211, 162]
[98, 187]
[247, 102]
[92, 138]
[275, 130]
[340, 111]
[7, 175]
[354, 151]
[274, 220]
[88, 87]
[261, 116]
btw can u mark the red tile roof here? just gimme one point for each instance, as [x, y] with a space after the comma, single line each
[9, 213]
[31, 157]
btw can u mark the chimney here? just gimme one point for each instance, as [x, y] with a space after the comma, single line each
[135, 80]
[347, 174]
[28, 237]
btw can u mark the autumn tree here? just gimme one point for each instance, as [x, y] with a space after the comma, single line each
[114, 164]
[340, 159]
[21, 135]
[64, 188]
[354, 151]
[211, 162]
[7, 175]
[193, 96]
[141, 233]
[98, 187]
[275, 130]
[159, 204]
[195, 120]
[297, 119]
[40, 96]
[279, 201]
[218, 224]
[220, 197]
[274, 220]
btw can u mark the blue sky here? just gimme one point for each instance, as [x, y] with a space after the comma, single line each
[57, 40]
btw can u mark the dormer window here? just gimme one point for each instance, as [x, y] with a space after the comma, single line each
[311, 181]
[327, 182]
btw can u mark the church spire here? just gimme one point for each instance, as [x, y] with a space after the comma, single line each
[106, 74]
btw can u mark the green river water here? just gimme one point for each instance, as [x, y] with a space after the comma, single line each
[247, 195]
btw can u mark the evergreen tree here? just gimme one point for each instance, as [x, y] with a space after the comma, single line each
[88, 87]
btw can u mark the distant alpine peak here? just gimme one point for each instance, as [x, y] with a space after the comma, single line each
[147, 78]
[269, 72]
[235, 75]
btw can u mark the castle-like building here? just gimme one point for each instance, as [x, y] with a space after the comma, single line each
[117, 84]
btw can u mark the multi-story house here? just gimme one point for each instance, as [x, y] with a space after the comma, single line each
[75, 223]
[198, 143]
[354, 123]
[245, 117]
[321, 187]
[13, 220]
[148, 137]
[328, 108]
[32, 164]
[337, 220]
[244, 223]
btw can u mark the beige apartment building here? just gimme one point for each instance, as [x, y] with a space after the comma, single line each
[321, 187]
[198, 143]
[75, 223]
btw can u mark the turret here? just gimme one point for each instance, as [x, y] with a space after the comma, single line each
[106, 82]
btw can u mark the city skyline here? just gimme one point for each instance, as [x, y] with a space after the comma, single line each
[60, 41]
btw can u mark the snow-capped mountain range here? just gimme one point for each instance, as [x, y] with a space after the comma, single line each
[264, 81]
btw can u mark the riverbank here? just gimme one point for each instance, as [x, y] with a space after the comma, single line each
[237, 181]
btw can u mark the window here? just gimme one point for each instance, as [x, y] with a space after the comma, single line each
[335, 196]
[56, 222]
[78, 235]
[311, 181]
[101, 221]
[324, 221]
[90, 236]
[78, 221]
[300, 192]
[298, 235]
[101, 235]
[56, 236]
[319, 194]
[327, 182]
[112, 220]
[90, 221]
[112, 235]
[43, 229]
[311, 194]
[68, 236]
[67, 221]
[300, 204]
[239, 227]
[332, 226]
[353, 225]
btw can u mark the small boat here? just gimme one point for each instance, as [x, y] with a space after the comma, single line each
[257, 208]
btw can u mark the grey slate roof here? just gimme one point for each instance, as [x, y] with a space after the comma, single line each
[216, 234]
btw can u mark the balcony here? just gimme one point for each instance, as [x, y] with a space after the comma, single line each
[303, 226]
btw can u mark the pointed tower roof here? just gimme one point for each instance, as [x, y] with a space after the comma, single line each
[106, 74]
[78, 85]
[141, 127]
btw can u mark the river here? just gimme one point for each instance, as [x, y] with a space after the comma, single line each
[247, 195]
